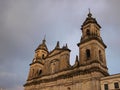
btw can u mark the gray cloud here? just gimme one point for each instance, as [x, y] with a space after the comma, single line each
[23, 24]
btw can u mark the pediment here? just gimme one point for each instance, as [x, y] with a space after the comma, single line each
[54, 52]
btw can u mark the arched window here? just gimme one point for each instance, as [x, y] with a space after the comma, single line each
[88, 32]
[100, 55]
[88, 53]
[39, 72]
[43, 56]
[53, 67]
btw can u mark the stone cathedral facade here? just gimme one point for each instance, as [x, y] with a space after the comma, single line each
[52, 70]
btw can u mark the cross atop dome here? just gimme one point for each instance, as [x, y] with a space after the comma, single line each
[89, 14]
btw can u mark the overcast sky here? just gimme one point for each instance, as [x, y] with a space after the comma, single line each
[23, 24]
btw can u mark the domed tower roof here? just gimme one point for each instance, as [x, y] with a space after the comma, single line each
[42, 46]
[90, 19]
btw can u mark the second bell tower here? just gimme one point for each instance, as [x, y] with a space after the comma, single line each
[91, 47]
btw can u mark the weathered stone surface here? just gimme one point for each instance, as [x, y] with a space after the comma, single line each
[52, 71]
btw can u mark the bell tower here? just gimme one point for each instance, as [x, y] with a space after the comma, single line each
[36, 67]
[92, 47]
